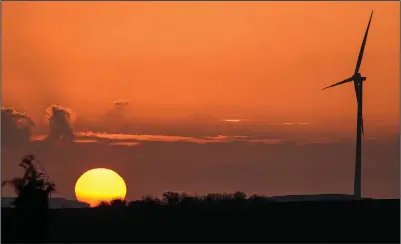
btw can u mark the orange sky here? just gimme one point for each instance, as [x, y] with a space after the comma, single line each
[258, 60]
[184, 67]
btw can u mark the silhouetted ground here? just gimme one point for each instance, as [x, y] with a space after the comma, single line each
[223, 220]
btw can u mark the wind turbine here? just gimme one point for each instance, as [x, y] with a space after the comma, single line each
[358, 79]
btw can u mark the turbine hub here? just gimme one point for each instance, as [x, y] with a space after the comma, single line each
[358, 78]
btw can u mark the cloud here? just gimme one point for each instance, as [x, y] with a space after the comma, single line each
[155, 138]
[124, 143]
[60, 126]
[86, 141]
[116, 117]
[317, 140]
[266, 141]
[240, 137]
[120, 104]
[233, 120]
[135, 139]
[39, 137]
[15, 127]
[219, 137]
[120, 139]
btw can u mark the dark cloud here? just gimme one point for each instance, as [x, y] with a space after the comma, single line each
[15, 127]
[115, 118]
[120, 104]
[60, 126]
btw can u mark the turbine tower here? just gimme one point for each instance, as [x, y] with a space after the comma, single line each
[358, 79]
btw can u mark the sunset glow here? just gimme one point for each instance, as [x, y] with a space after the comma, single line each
[189, 95]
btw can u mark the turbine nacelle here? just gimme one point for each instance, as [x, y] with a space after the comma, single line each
[358, 78]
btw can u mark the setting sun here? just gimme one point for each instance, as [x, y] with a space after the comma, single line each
[98, 185]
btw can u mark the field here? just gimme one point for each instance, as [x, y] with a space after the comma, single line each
[364, 220]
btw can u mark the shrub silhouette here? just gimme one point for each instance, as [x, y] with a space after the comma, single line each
[151, 200]
[239, 196]
[103, 204]
[118, 202]
[33, 190]
[171, 198]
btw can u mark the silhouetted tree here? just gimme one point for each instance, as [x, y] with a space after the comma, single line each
[32, 202]
[211, 197]
[33, 188]
[171, 198]
[151, 200]
[239, 195]
[118, 202]
[227, 196]
[103, 204]
[189, 200]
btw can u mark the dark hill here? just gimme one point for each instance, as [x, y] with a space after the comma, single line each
[253, 219]
[54, 202]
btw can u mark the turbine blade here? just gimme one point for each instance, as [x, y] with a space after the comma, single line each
[362, 125]
[339, 83]
[356, 92]
[358, 64]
